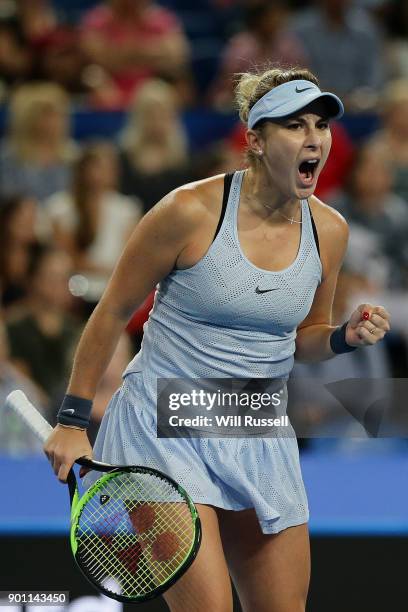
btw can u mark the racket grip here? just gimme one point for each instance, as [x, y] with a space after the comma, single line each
[18, 402]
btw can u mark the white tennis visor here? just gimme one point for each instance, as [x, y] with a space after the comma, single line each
[289, 98]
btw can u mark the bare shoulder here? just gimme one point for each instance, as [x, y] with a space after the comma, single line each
[328, 219]
[190, 206]
[333, 232]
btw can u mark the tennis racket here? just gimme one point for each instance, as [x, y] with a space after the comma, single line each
[134, 532]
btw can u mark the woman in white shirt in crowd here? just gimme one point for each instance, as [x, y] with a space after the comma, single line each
[93, 221]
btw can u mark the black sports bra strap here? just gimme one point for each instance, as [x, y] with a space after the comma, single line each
[227, 187]
[316, 237]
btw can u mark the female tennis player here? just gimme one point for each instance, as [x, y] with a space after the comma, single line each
[246, 269]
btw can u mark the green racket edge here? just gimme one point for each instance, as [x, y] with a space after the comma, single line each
[77, 507]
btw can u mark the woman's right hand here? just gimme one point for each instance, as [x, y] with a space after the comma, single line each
[64, 446]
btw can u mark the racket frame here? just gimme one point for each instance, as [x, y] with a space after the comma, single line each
[18, 402]
[78, 504]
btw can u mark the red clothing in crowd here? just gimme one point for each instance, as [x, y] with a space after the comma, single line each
[149, 29]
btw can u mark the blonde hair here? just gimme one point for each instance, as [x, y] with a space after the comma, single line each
[26, 105]
[252, 86]
[134, 139]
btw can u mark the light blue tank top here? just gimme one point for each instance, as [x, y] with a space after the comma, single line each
[224, 316]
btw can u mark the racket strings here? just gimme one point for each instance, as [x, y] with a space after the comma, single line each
[104, 565]
[136, 529]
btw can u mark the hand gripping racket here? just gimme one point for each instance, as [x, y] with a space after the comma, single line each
[134, 532]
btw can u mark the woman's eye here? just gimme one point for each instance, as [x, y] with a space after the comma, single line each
[293, 126]
[323, 126]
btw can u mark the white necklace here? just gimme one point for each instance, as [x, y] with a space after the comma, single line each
[292, 220]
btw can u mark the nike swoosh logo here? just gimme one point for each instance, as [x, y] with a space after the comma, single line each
[69, 410]
[258, 290]
[300, 90]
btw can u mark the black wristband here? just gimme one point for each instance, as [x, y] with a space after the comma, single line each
[338, 342]
[75, 411]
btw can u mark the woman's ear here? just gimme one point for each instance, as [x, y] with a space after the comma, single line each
[254, 142]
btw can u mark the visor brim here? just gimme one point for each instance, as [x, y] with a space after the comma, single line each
[333, 104]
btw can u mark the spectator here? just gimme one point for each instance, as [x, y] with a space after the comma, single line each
[131, 41]
[42, 333]
[15, 58]
[220, 157]
[392, 140]
[92, 221]
[37, 18]
[54, 46]
[378, 220]
[397, 41]
[154, 142]
[344, 48]
[264, 39]
[60, 59]
[35, 159]
[15, 437]
[18, 240]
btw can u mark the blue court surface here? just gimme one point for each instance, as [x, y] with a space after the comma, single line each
[353, 493]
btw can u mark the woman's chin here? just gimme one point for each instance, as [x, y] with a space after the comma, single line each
[304, 191]
[304, 188]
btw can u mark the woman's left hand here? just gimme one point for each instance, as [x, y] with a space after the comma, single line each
[367, 325]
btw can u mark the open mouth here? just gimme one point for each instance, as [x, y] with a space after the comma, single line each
[307, 171]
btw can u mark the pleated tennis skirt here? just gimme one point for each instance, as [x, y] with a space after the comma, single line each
[230, 473]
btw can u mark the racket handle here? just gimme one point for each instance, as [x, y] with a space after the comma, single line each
[18, 402]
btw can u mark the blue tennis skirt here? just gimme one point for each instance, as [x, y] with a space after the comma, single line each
[230, 473]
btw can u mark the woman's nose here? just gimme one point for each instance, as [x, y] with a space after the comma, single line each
[313, 139]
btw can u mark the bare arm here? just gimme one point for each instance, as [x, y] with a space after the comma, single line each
[313, 334]
[151, 253]
[313, 339]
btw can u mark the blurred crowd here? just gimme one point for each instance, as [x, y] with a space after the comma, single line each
[158, 77]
